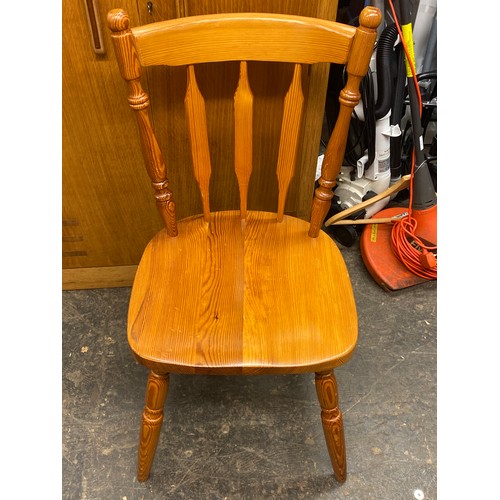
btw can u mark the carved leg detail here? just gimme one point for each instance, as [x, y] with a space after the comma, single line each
[333, 427]
[152, 418]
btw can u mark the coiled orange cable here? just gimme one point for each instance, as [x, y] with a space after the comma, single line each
[418, 257]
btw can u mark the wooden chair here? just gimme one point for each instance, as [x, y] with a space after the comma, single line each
[242, 292]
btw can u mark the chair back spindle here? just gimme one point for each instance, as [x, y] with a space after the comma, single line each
[243, 143]
[289, 139]
[243, 135]
[198, 135]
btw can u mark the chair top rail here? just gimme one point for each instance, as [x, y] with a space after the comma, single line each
[245, 36]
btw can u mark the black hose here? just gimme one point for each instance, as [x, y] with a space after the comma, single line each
[397, 111]
[398, 102]
[385, 55]
[428, 75]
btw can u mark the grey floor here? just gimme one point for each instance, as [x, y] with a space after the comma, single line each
[254, 437]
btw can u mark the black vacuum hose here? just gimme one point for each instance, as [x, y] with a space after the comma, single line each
[385, 55]
[398, 107]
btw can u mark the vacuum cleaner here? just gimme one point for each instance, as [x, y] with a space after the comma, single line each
[398, 245]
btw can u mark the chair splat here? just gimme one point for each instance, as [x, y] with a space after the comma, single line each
[198, 134]
[243, 135]
[289, 140]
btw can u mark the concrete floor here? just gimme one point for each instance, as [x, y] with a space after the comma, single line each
[254, 437]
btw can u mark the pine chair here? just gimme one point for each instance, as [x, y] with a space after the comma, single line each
[242, 292]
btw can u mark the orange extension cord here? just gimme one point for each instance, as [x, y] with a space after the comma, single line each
[419, 258]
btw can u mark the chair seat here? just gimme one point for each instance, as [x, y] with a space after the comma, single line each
[255, 296]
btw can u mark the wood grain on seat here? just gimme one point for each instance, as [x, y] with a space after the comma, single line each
[252, 297]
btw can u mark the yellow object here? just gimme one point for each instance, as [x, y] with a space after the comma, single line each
[408, 36]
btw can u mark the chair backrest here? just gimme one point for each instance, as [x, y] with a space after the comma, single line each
[243, 37]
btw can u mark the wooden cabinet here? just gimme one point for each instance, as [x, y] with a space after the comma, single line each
[108, 210]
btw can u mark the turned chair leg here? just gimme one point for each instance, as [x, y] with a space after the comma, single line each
[333, 427]
[152, 418]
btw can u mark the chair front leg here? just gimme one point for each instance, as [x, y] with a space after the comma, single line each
[152, 418]
[331, 417]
